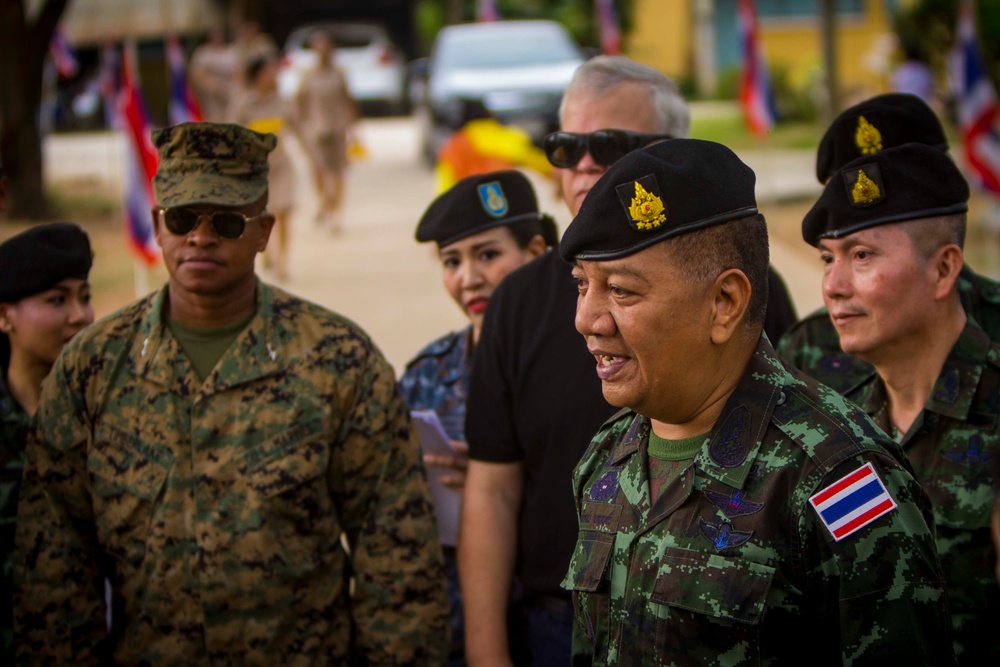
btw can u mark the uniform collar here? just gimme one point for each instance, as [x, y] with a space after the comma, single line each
[157, 356]
[956, 384]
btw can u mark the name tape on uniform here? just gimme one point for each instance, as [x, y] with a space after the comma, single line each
[852, 502]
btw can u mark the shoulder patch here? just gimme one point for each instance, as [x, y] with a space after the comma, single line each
[852, 502]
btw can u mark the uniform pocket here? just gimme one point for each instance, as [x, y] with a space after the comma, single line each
[289, 460]
[585, 578]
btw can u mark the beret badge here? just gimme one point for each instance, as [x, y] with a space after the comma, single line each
[863, 188]
[643, 203]
[867, 137]
[492, 198]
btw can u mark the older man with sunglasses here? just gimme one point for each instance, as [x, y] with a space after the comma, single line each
[206, 448]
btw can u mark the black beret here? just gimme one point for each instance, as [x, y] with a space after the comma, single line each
[477, 203]
[881, 122]
[36, 259]
[667, 189]
[909, 182]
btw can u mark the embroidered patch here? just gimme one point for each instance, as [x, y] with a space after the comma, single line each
[864, 185]
[852, 502]
[643, 202]
[733, 505]
[722, 536]
[729, 447]
[605, 488]
[947, 392]
[867, 137]
[492, 198]
[972, 456]
[603, 517]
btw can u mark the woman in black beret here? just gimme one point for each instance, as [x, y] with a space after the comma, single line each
[44, 301]
[485, 227]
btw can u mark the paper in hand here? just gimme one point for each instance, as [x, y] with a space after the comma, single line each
[447, 502]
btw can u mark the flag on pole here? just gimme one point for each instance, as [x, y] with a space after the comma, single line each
[755, 85]
[63, 55]
[487, 10]
[607, 27]
[976, 104]
[183, 106]
[140, 162]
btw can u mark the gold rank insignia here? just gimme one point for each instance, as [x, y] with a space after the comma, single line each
[864, 185]
[643, 202]
[867, 137]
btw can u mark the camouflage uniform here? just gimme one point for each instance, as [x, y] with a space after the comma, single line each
[731, 565]
[14, 423]
[813, 345]
[216, 509]
[952, 446]
[438, 379]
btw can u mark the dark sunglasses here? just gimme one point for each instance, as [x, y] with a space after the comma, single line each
[227, 224]
[566, 149]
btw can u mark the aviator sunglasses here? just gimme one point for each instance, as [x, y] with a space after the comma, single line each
[566, 149]
[227, 224]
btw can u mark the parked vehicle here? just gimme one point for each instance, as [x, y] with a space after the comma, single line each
[374, 66]
[517, 69]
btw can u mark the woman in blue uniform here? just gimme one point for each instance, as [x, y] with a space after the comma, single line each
[485, 227]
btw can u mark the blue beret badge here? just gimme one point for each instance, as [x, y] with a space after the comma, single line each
[492, 198]
[643, 202]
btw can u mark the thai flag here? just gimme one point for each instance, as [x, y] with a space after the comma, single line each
[487, 10]
[183, 106]
[755, 85]
[140, 163]
[63, 55]
[607, 27]
[977, 104]
[852, 502]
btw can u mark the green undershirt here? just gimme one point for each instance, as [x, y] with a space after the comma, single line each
[668, 459]
[204, 346]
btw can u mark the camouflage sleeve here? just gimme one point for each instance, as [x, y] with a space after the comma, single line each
[59, 612]
[885, 578]
[400, 608]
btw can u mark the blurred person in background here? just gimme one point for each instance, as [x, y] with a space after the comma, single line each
[326, 113]
[214, 71]
[485, 227]
[44, 302]
[251, 44]
[260, 108]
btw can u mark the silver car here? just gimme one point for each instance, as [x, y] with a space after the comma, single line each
[517, 69]
[373, 65]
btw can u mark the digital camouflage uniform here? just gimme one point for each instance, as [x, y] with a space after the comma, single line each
[14, 423]
[216, 509]
[438, 379]
[952, 446]
[731, 565]
[813, 345]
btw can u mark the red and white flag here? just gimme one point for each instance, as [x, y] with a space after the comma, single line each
[976, 104]
[607, 27]
[63, 55]
[141, 161]
[755, 84]
[182, 106]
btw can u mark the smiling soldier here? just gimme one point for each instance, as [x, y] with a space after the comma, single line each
[890, 230]
[735, 513]
[205, 448]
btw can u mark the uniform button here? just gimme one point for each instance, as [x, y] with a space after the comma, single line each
[781, 398]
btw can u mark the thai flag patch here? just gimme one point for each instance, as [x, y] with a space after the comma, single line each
[852, 502]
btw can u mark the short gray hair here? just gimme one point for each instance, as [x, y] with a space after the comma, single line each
[600, 74]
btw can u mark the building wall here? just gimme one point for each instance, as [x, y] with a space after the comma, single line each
[661, 36]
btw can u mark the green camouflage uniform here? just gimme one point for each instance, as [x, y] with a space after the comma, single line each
[216, 509]
[731, 565]
[14, 423]
[813, 345]
[952, 446]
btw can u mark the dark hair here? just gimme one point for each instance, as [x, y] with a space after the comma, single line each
[738, 244]
[525, 230]
[256, 65]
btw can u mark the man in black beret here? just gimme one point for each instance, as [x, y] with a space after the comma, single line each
[890, 230]
[734, 512]
[876, 124]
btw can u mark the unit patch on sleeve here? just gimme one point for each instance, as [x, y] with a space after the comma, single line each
[852, 502]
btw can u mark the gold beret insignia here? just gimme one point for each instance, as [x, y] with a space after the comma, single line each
[864, 185]
[867, 137]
